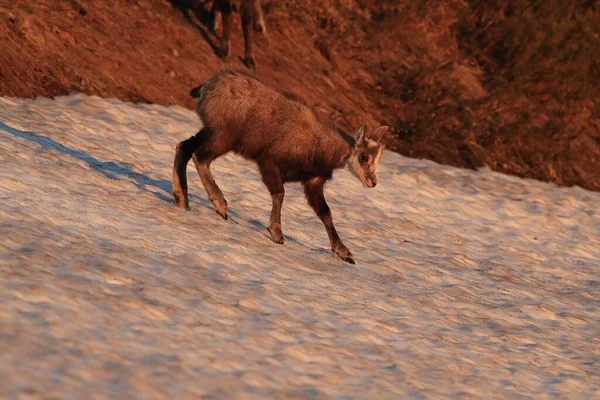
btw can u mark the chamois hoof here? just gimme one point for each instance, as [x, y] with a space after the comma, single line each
[223, 215]
[344, 254]
[279, 241]
[225, 52]
[260, 27]
[250, 63]
[220, 206]
[180, 201]
[276, 234]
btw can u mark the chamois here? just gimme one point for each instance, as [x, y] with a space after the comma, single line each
[287, 140]
[252, 15]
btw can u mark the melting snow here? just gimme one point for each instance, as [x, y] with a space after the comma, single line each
[466, 284]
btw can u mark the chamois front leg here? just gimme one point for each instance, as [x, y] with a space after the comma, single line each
[274, 183]
[313, 189]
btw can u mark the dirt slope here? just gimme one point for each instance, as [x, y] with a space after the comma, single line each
[512, 85]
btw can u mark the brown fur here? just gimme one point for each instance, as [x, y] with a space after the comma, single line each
[287, 140]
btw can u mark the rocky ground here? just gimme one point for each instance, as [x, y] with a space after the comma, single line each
[509, 85]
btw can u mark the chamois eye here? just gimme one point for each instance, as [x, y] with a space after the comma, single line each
[363, 158]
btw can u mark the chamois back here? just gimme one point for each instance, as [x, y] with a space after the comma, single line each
[249, 117]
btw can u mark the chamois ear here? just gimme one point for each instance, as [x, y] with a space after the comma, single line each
[359, 136]
[378, 133]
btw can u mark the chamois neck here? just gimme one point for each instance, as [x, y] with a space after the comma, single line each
[346, 151]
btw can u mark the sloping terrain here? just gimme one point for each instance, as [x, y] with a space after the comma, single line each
[511, 85]
[467, 285]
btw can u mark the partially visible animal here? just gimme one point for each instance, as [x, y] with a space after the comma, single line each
[252, 17]
[285, 137]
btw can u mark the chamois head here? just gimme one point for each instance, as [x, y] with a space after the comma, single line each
[364, 159]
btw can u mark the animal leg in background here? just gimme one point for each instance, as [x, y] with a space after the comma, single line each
[215, 13]
[248, 12]
[226, 9]
[259, 19]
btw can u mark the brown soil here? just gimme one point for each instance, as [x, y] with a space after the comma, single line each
[511, 85]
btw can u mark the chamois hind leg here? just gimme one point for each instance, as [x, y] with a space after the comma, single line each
[183, 153]
[313, 189]
[274, 183]
[202, 160]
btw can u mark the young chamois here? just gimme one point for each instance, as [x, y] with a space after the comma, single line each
[287, 140]
[252, 17]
